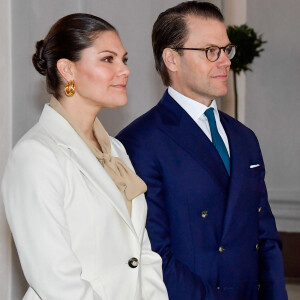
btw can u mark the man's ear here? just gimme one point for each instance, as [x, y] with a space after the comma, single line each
[66, 69]
[170, 58]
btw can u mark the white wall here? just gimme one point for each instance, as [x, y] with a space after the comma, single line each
[273, 106]
[31, 20]
[5, 137]
[235, 13]
[268, 99]
[11, 277]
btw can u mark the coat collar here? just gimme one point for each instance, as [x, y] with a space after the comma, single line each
[183, 130]
[74, 147]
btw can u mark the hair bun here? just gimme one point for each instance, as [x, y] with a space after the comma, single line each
[38, 59]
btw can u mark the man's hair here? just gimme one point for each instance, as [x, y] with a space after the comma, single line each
[170, 30]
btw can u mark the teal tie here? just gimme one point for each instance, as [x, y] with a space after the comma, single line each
[216, 138]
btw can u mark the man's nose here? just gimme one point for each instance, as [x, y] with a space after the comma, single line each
[223, 59]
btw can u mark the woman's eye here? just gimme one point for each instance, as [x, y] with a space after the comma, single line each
[125, 60]
[108, 59]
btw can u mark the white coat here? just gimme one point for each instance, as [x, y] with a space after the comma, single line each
[70, 223]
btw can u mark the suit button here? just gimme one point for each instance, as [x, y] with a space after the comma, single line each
[257, 247]
[259, 209]
[221, 249]
[204, 214]
[133, 262]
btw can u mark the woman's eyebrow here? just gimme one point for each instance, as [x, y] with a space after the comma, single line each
[113, 52]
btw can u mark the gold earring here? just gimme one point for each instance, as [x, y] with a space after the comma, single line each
[70, 88]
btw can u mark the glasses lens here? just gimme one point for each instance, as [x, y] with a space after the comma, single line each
[213, 53]
[230, 51]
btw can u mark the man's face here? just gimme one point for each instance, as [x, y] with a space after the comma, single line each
[196, 77]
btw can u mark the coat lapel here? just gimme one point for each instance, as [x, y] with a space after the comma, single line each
[183, 130]
[139, 206]
[237, 168]
[74, 147]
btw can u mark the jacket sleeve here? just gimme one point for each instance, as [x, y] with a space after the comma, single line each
[271, 272]
[180, 281]
[153, 287]
[33, 189]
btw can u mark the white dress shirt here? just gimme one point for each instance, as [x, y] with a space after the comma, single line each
[196, 112]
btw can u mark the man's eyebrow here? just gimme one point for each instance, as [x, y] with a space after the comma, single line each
[213, 45]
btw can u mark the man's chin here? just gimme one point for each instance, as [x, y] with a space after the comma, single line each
[222, 92]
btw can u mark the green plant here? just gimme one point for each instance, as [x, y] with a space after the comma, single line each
[249, 45]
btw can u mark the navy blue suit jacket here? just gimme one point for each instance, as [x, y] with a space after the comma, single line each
[215, 233]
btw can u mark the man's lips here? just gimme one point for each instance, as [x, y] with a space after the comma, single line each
[220, 76]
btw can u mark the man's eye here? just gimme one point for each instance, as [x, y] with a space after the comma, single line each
[212, 50]
[228, 49]
[108, 59]
[125, 60]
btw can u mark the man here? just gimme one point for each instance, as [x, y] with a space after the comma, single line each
[208, 215]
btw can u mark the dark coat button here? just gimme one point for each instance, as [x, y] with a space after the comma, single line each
[259, 209]
[133, 262]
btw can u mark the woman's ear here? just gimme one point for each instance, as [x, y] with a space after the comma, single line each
[65, 68]
[170, 58]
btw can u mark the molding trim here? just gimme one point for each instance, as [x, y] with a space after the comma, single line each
[291, 259]
[286, 209]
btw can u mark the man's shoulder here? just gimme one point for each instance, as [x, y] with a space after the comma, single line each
[143, 125]
[234, 123]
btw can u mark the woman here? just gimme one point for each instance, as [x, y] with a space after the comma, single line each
[73, 202]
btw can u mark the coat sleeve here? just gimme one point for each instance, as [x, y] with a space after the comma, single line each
[33, 189]
[181, 282]
[271, 272]
[153, 287]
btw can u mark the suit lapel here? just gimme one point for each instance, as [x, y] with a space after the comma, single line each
[182, 129]
[237, 168]
[139, 207]
[74, 147]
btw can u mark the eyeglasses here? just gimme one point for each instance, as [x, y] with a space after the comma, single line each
[213, 53]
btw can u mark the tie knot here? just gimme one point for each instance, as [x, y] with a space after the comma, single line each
[209, 113]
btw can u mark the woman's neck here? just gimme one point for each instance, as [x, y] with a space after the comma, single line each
[83, 114]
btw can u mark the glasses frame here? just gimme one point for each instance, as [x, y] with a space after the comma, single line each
[207, 49]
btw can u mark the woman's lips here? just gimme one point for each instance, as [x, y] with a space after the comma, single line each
[119, 86]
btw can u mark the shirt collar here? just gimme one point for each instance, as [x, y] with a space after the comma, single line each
[194, 108]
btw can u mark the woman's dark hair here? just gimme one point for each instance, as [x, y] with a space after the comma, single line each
[170, 30]
[66, 39]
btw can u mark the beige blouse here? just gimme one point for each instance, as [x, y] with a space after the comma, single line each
[129, 184]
